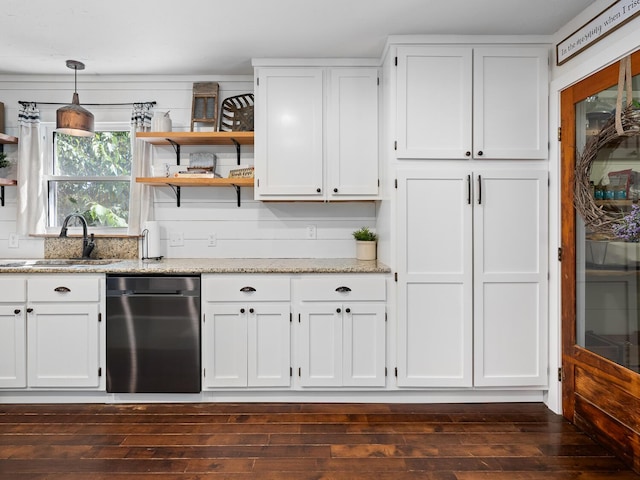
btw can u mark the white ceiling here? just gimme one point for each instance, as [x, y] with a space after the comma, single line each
[203, 37]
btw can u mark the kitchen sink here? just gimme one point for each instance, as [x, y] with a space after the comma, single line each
[55, 262]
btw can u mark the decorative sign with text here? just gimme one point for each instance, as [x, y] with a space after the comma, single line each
[609, 20]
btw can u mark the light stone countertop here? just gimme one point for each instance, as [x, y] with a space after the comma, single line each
[205, 265]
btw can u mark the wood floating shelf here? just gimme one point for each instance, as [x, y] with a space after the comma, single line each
[196, 138]
[196, 182]
[179, 139]
[8, 139]
[177, 182]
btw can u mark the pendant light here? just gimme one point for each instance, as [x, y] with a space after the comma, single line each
[73, 119]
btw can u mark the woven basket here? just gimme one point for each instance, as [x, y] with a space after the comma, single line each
[237, 113]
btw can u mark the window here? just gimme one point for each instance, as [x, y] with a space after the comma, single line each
[90, 176]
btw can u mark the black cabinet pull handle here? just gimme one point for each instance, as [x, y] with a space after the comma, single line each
[247, 289]
[338, 310]
[348, 310]
[479, 189]
[468, 189]
[62, 289]
[16, 311]
[242, 310]
[343, 289]
[29, 310]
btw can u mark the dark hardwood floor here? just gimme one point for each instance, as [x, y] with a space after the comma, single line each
[297, 441]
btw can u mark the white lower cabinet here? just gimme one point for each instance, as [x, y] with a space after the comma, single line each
[342, 334]
[246, 331]
[13, 330]
[472, 297]
[54, 332]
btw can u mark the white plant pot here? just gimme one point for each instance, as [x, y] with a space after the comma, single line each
[365, 250]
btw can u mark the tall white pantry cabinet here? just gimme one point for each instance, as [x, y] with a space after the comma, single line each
[469, 150]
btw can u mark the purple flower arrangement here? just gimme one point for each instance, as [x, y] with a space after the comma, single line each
[629, 227]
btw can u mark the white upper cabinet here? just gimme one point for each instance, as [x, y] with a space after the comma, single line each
[460, 102]
[288, 133]
[352, 133]
[316, 134]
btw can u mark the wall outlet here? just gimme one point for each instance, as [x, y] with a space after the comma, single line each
[14, 240]
[212, 240]
[311, 232]
[176, 239]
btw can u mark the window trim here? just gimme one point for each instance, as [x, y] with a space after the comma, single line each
[48, 128]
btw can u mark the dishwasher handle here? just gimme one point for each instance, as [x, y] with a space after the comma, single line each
[153, 293]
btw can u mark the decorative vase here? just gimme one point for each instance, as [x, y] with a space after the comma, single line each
[365, 250]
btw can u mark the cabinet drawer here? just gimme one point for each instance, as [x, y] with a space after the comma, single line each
[340, 288]
[63, 288]
[12, 289]
[245, 288]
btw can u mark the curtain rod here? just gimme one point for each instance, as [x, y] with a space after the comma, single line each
[24, 103]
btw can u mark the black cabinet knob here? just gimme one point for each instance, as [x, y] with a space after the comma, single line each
[16, 311]
[318, 190]
[29, 310]
[335, 190]
[251, 310]
[480, 153]
[242, 310]
[467, 153]
[338, 310]
[348, 310]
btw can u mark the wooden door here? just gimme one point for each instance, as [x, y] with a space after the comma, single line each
[600, 394]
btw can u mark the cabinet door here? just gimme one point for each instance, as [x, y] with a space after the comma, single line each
[510, 102]
[352, 132]
[224, 345]
[321, 345]
[269, 359]
[510, 278]
[63, 348]
[434, 88]
[13, 352]
[363, 345]
[434, 279]
[289, 133]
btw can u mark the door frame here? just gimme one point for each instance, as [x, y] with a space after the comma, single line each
[618, 428]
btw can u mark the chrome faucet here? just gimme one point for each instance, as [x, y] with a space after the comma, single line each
[87, 245]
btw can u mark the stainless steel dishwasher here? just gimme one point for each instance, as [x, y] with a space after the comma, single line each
[153, 334]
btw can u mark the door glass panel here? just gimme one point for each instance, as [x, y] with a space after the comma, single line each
[607, 267]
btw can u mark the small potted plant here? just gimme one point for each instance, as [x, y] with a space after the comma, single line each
[365, 244]
[3, 160]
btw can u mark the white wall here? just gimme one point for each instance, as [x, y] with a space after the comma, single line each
[255, 229]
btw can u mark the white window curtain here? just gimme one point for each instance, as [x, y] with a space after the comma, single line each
[32, 198]
[140, 200]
